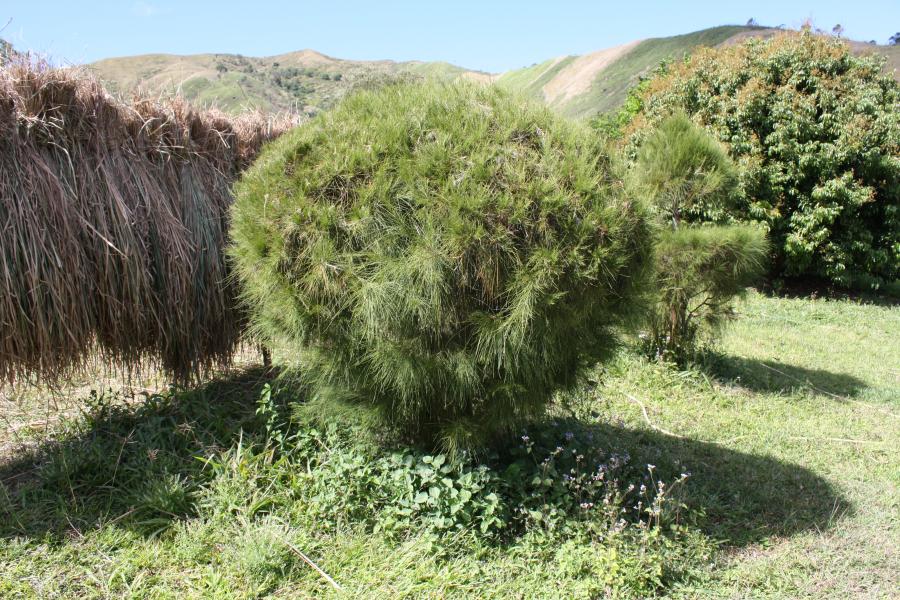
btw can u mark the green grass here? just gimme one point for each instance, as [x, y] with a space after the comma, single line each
[789, 428]
[530, 81]
[812, 385]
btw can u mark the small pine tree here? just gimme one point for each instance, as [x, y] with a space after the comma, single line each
[685, 175]
[700, 272]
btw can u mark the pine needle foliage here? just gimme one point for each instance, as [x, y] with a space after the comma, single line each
[685, 173]
[441, 254]
[700, 271]
[686, 176]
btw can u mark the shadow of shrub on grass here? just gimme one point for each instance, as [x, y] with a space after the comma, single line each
[769, 376]
[137, 464]
[142, 466]
[735, 497]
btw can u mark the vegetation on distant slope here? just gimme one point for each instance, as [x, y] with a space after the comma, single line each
[815, 131]
[7, 51]
[307, 81]
[530, 81]
[442, 254]
[304, 81]
[608, 90]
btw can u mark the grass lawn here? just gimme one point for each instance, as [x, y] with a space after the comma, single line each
[790, 431]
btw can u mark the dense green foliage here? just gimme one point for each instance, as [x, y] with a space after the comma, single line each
[443, 254]
[685, 176]
[553, 480]
[816, 135]
[700, 271]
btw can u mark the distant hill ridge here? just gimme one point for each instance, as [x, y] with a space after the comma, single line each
[304, 81]
[582, 86]
[307, 80]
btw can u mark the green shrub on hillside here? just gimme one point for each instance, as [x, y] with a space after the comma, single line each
[441, 254]
[816, 135]
[685, 175]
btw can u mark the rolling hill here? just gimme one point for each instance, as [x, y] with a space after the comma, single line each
[582, 86]
[303, 81]
[307, 81]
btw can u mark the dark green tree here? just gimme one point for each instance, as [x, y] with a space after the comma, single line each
[815, 133]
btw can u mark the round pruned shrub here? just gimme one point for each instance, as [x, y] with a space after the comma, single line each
[815, 132]
[442, 254]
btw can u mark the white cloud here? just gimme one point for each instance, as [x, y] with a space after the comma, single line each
[144, 9]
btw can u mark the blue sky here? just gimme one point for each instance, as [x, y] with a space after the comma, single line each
[491, 36]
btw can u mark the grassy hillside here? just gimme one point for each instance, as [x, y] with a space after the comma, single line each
[609, 90]
[608, 84]
[300, 81]
[6, 51]
[308, 81]
[605, 84]
[576, 86]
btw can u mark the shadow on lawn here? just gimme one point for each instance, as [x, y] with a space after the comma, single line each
[769, 376]
[134, 464]
[139, 467]
[811, 288]
[737, 498]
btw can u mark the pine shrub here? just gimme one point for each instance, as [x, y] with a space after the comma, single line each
[441, 254]
[700, 271]
[815, 132]
[686, 177]
[684, 173]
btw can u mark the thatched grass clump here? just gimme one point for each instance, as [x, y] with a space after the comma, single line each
[441, 254]
[114, 220]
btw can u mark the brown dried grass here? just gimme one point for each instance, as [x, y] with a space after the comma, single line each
[113, 222]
